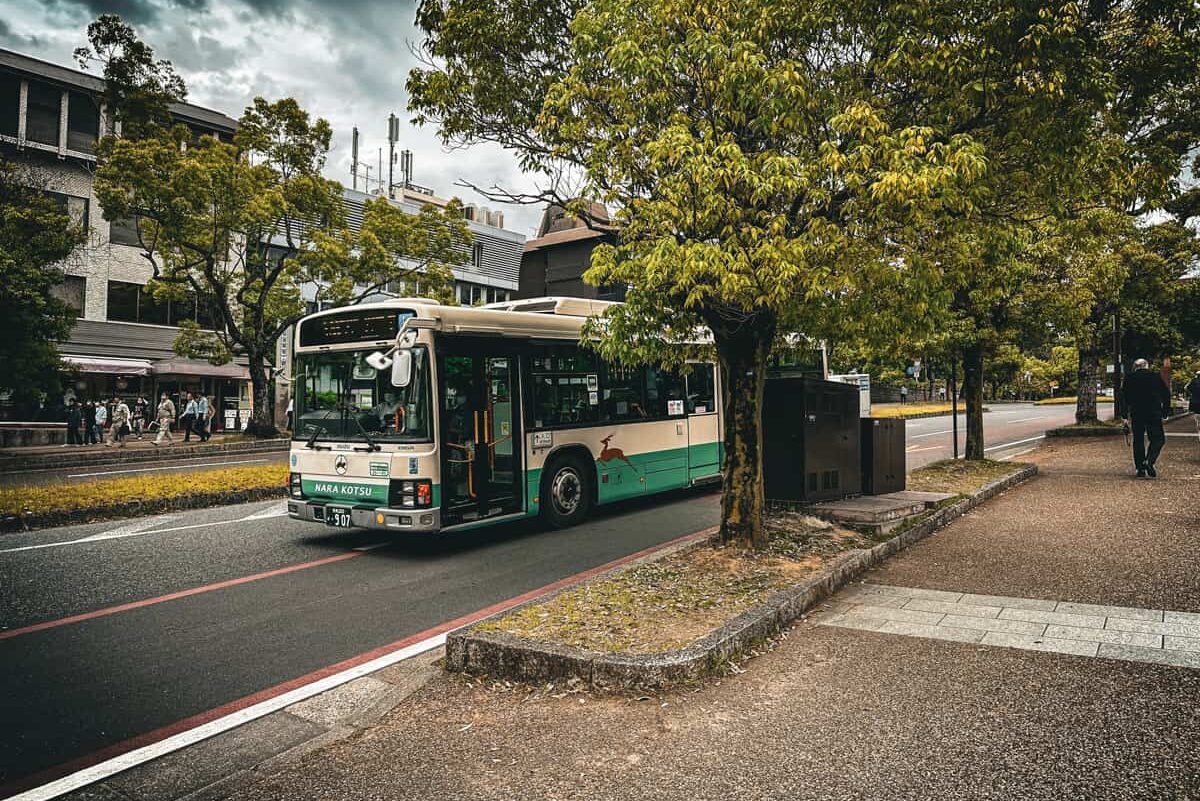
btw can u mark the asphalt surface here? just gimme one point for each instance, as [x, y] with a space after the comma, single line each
[1008, 429]
[74, 688]
[845, 714]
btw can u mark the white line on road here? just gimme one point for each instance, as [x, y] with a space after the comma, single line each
[932, 433]
[1028, 419]
[156, 469]
[220, 725]
[1012, 444]
[124, 532]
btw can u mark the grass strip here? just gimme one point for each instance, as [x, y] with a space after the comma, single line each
[45, 499]
[960, 476]
[911, 410]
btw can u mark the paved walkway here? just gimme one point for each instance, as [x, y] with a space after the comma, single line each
[854, 713]
[1034, 624]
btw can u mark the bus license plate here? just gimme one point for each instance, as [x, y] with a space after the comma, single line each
[338, 517]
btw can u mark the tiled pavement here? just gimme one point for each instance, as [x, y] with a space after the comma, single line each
[1112, 632]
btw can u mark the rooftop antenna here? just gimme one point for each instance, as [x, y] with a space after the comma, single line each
[406, 167]
[354, 157]
[393, 137]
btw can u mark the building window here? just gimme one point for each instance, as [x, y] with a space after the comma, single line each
[10, 104]
[124, 232]
[74, 207]
[123, 301]
[477, 257]
[83, 122]
[42, 116]
[73, 292]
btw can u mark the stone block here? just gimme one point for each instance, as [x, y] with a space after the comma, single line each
[968, 610]
[1061, 618]
[1104, 635]
[1030, 643]
[1006, 601]
[994, 624]
[1157, 656]
[1123, 612]
[931, 632]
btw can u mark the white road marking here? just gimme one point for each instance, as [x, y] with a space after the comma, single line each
[277, 510]
[126, 531]
[182, 740]
[1018, 453]
[1011, 444]
[1028, 419]
[932, 433]
[157, 468]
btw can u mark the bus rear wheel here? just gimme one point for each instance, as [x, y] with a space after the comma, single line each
[566, 493]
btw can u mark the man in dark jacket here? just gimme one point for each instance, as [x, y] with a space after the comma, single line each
[74, 420]
[1147, 402]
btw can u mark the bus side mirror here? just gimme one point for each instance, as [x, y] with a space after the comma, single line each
[402, 368]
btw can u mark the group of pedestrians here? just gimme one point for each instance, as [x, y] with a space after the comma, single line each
[198, 413]
[110, 422]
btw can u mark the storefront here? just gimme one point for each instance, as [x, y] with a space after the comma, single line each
[101, 378]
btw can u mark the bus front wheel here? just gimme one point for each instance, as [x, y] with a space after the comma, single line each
[566, 494]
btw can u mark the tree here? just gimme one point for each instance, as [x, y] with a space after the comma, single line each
[36, 237]
[750, 165]
[245, 226]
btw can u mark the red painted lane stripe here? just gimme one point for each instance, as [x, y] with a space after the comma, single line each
[220, 585]
[142, 740]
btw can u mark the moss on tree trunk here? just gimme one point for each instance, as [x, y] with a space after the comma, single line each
[1085, 403]
[973, 395]
[743, 353]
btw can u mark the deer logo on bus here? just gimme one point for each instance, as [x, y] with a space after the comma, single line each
[608, 454]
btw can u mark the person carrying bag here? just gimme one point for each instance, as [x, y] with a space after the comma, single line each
[165, 415]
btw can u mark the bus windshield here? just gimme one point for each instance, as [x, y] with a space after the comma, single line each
[338, 396]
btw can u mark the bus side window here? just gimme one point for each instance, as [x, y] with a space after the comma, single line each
[622, 394]
[662, 387]
[701, 394]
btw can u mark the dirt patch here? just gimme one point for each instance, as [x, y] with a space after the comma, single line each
[668, 603]
[960, 476]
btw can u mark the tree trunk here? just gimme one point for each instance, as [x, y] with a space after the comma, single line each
[743, 354]
[973, 395]
[1085, 398]
[262, 420]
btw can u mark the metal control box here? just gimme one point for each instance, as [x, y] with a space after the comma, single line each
[811, 433]
[883, 456]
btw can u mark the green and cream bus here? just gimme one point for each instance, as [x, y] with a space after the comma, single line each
[413, 416]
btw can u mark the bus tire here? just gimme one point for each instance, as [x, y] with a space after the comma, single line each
[566, 492]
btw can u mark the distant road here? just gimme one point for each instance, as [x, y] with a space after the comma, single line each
[1008, 429]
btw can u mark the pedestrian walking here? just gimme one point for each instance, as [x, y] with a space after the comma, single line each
[1147, 403]
[101, 420]
[904, 394]
[201, 419]
[1192, 393]
[208, 418]
[165, 415]
[188, 419]
[74, 420]
[89, 423]
[140, 415]
[119, 426]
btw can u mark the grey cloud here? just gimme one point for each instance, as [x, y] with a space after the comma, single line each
[17, 41]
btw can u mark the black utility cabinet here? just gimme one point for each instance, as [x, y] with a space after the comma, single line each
[810, 440]
[883, 466]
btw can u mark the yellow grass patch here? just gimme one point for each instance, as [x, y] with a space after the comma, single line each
[39, 499]
[959, 476]
[912, 409]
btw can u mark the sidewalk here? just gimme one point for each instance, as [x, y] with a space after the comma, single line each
[51, 457]
[833, 712]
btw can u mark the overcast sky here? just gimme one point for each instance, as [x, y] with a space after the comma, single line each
[345, 60]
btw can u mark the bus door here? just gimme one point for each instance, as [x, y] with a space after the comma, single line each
[481, 470]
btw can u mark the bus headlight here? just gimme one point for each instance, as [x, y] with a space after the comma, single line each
[295, 485]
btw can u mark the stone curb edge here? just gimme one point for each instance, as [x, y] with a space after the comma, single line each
[93, 514]
[501, 655]
[19, 464]
[1085, 431]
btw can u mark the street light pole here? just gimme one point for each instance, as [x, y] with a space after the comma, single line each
[954, 400]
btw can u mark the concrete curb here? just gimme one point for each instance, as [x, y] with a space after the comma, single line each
[501, 655]
[1085, 431]
[10, 463]
[117, 511]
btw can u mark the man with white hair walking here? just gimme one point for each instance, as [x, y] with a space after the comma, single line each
[1147, 403]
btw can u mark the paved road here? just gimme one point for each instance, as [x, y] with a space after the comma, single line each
[1009, 429]
[76, 686]
[197, 463]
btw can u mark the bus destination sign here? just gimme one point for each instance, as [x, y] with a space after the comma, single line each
[358, 325]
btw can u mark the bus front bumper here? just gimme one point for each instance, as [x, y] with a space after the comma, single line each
[424, 520]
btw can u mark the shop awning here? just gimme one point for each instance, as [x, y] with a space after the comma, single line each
[111, 366]
[199, 367]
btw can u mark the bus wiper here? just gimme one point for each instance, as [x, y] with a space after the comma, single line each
[312, 441]
[371, 445]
